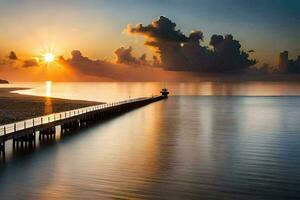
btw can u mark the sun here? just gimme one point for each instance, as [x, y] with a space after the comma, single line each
[49, 57]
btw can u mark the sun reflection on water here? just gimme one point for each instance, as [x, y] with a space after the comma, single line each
[48, 88]
[48, 102]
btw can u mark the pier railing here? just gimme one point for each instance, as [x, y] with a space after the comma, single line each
[55, 117]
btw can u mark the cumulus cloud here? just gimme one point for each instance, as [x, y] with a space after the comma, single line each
[122, 72]
[179, 52]
[156, 61]
[161, 29]
[143, 59]
[30, 63]
[124, 56]
[166, 39]
[198, 58]
[215, 40]
[196, 36]
[17, 62]
[228, 56]
[294, 66]
[13, 56]
[95, 67]
[263, 69]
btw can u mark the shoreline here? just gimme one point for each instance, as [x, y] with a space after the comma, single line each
[17, 107]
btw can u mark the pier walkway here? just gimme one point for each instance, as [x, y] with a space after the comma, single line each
[24, 132]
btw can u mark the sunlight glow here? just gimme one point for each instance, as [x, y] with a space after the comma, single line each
[49, 57]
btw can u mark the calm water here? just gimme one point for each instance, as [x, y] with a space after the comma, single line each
[236, 141]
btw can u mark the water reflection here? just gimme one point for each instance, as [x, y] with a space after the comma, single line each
[48, 94]
[48, 88]
[186, 147]
[110, 92]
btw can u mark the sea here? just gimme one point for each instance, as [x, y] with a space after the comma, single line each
[208, 140]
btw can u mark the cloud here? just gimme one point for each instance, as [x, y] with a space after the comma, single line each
[294, 66]
[30, 63]
[13, 56]
[228, 56]
[17, 62]
[215, 40]
[124, 56]
[156, 61]
[196, 36]
[264, 69]
[121, 72]
[143, 59]
[166, 39]
[161, 29]
[95, 67]
[179, 52]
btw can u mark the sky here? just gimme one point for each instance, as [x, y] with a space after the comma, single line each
[96, 27]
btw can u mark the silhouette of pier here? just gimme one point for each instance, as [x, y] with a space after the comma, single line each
[23, 133]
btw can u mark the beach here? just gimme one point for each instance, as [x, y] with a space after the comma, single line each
[15, 107]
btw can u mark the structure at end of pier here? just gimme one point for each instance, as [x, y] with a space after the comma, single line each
[164, 92]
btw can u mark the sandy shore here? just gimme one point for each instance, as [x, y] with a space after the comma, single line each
[16, 107]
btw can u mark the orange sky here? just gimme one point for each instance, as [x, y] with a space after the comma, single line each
[96, 28]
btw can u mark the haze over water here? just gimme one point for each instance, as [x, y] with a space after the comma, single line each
[210, 140]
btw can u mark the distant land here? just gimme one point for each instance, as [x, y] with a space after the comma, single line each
[3, 81]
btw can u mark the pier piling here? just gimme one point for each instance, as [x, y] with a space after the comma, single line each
[24, 141]
[47, 133]
[2, 148]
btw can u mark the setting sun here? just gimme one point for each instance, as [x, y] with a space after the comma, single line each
[49, 57]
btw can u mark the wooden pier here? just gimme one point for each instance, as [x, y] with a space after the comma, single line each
[24, 133]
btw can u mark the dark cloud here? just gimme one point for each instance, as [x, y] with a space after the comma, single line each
[124, 56]
[251, 51]
[77, 56]
[196, 36]
[20, 63]
[13, 56]
[264, 69]
[156, 61]
[216, 40]
[88, 66]
[30, 63]
[228, 56]
[122, 72]
[179, 52]
[198, 57]
[161, 29]
[163, 36]
[95, 67]
[294, 65]
[143, 59]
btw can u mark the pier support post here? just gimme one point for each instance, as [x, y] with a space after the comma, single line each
[48, 133]
[70, 126]
[2, 148]
[25, 141]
